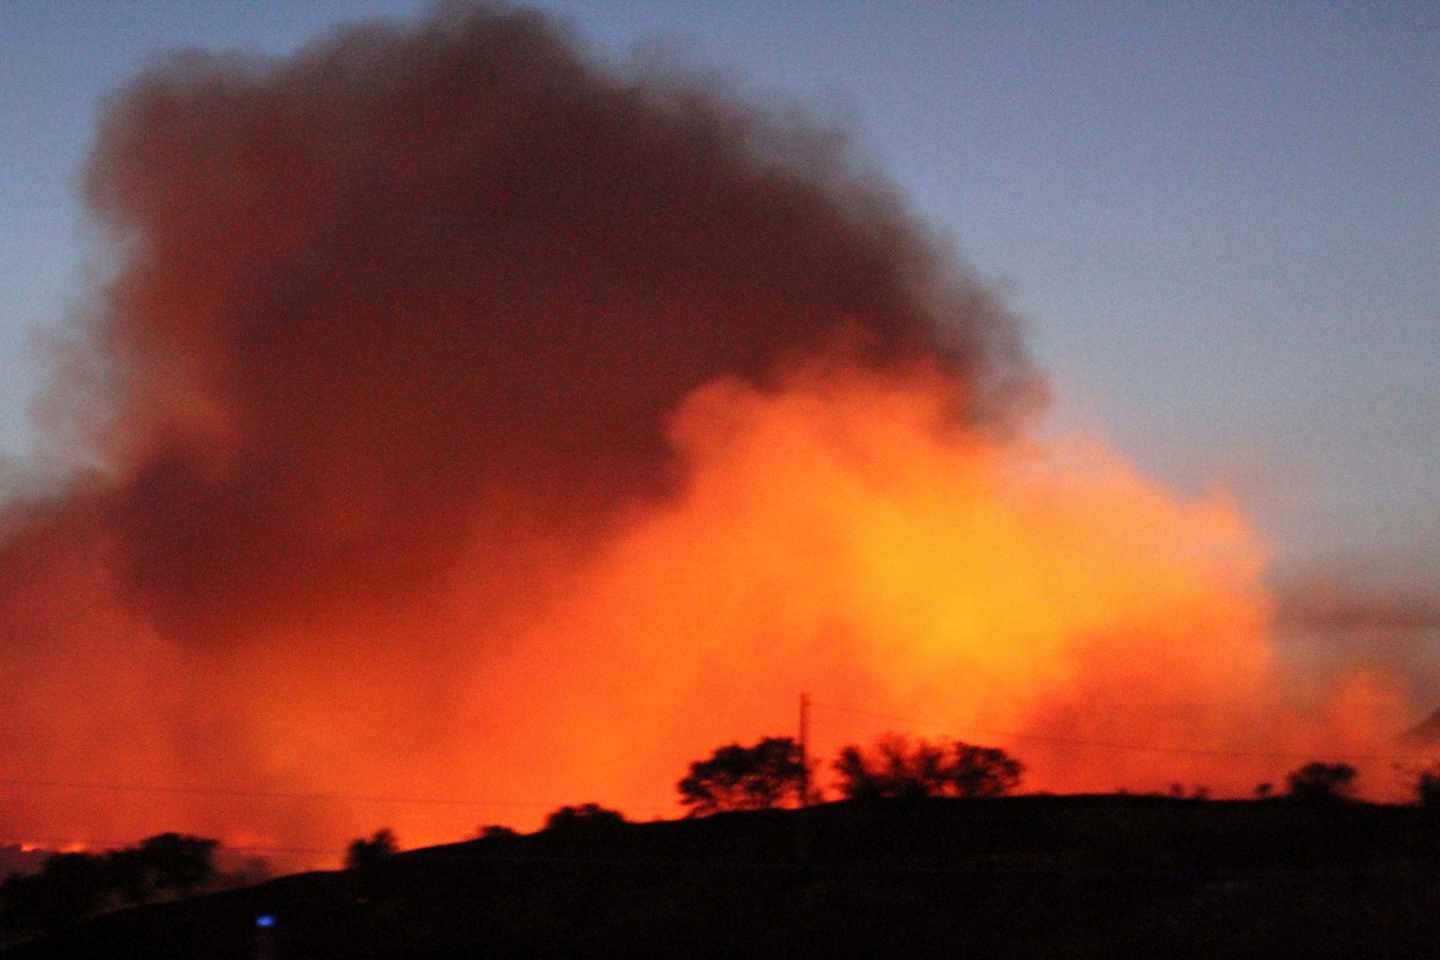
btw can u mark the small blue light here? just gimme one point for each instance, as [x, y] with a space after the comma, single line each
[265, 920]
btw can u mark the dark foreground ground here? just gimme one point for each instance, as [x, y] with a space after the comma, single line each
[1027, 876]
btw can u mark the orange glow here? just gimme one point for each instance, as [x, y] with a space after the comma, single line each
[837, 534]
[68, 846]
[437, 453]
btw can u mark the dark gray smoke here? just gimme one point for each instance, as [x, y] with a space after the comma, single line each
[1349, 601]
[390, 337]
[370, 293]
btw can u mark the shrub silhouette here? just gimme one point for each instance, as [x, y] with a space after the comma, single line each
[744, 778]
[983, 771]
[1322, 782]
[1427, 788]
[588, 819]
[72, 886]
[366, 854]
[898, 769]
[130, 876]
[894, 769]
[178, 862]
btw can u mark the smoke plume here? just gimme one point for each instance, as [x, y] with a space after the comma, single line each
[463, 417]
[1343, 601]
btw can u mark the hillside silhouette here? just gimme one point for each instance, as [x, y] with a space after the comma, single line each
[1082, 876]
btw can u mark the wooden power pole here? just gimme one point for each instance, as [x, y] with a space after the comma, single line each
[804, 750]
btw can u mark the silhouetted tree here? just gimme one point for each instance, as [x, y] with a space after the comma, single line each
[983, 771]
[366, 854]
[1322, 782]
[588, 818]
[1427, 788]
[744, 778]
[909, 772]
[495, 831]
[130, 876]
[71, 886]
[178, 862]
[896, 768]
[1263, 791]
[857, 781]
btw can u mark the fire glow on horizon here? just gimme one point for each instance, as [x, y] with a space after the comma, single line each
[462, 419]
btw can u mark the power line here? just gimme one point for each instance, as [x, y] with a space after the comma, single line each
[1136, 747]
[266, 794]
[807, 705]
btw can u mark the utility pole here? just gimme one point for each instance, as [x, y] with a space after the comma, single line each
[802, 820]
[804, 750]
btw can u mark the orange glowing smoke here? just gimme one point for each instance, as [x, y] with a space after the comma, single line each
[842, 535]
[462, 421]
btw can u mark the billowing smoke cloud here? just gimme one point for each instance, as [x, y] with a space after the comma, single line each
[392, 334]
[1345, 601]
[415, 281]
[1381, 614]
[464, 418]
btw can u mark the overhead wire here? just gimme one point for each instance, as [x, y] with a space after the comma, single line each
[912, 722]
[1136, 747]
[268, 794]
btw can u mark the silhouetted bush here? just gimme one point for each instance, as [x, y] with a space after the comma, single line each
[983, 771]
[898, 769]
[72, 886]
[495, 831]
[1322, 782]
[744, 778]
[589, 819]
[1427, 788]
[366, 854]
[894, 769]
[178, 862]
[130, 876]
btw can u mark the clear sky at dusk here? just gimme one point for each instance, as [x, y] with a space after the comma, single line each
[1221, 222]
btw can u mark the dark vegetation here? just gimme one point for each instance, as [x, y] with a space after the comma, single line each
[366, 854]
[1427, 788]
[898, 769]
[924, 858]
[73, 885]
[1026, 876]
[744, 778]
[585, 821]
[1323, 782]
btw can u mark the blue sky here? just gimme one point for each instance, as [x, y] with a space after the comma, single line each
[1221, 222]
